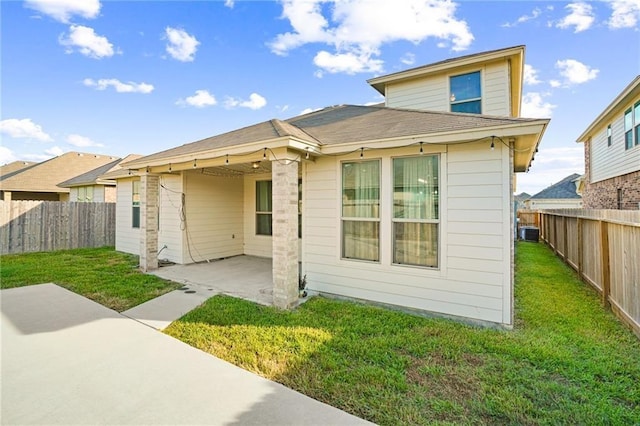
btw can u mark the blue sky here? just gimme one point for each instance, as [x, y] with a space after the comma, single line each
[121, 77]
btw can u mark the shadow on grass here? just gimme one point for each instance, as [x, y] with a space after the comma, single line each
[567, 361]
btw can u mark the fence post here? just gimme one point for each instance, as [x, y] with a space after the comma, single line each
[565, 239]
[579, 229]
[606, 276]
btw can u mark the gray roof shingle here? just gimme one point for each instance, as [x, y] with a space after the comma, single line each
[566, 188]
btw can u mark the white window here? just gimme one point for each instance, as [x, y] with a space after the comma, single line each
[415, 211]
[361, 210]
[135, 204]
[264, 207]
[85, 194]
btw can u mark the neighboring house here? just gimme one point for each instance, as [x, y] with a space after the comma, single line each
[407, 204]
[40, 181]
[520, 200]
[612, 154]
[92, 186]
[14, 167]
[560, 195]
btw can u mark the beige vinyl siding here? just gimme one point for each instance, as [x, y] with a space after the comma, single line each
[214, 212]
[98, 193]
[127, 237]
[474, 260]
[431, 93]
[254, 245]
[170, 231]
[110, 194]
[610, 161]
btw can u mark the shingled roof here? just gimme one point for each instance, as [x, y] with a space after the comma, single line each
[564, 189]
[45, 176]
[14, 167]
[92, 177]
[343, 124]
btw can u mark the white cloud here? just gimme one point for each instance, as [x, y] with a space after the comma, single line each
[6, 155]
[349, 62]
[530, 75]
[356, 29]
[575, 72]
[555, 83]
[87, 42]
[81, 141]
[309, 110]
[408, 58]
[524, 18]
[63, 10]
[24, 129]
[119, 86]
[54, 151]
[201, 99]
[534, 106]
[229, 3]
[625, 14]
[181, 45]
[551, 165]
[255, 102]
[581, 17]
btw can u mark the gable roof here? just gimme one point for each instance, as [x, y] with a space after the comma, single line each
[566, 188]
[627, 94]
[45, 176]
[514, 54]
[92, 177]
[344, 125]
[14, 167]
[118, 171]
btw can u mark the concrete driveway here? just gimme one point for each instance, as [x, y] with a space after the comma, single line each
[69, 360]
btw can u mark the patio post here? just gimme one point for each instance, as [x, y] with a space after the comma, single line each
[148, 222]
[284, 174]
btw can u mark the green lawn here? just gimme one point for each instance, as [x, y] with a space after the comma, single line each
[101, 274]
[568, 361]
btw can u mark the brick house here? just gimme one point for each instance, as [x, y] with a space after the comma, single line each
[612, 154]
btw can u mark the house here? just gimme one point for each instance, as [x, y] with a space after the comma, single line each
[520, 200]
[92, 186]
[407, 204]
[612, 154]
[40, 181]
[14, 167]
[560, 195]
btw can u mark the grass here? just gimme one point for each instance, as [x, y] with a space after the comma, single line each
[568, 361]
[101, 274]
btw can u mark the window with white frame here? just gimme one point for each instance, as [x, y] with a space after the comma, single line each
[85, 194]
[264, 208]
[416, 214]
[609, 135]
[135, 204]
[360, 213]
[465, 94]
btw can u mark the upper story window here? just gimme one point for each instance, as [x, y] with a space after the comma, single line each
[636, 122]
[628, 129]
[609, 135]
[465, 93]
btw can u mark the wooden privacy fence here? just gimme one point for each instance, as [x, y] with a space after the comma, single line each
[603, 246]
[29, 226]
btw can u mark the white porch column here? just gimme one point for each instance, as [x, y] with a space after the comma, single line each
[148, 222]
[285, 232]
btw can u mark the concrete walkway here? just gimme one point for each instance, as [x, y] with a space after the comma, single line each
[68, 360]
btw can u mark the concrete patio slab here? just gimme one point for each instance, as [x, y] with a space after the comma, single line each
[162, 311]
[68, 360]
[246, 277]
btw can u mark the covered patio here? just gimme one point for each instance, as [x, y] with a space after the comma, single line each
[245, 277]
